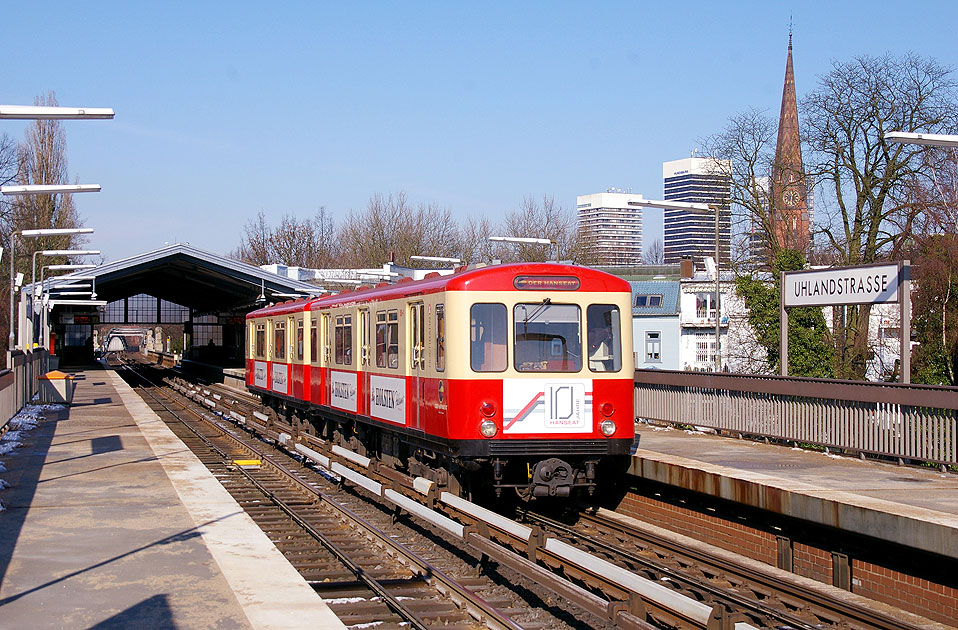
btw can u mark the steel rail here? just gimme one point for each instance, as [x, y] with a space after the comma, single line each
[372, 584]
[461, 595]
[847, 610]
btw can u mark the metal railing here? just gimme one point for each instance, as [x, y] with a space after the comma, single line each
[914, 422]
[18, 383]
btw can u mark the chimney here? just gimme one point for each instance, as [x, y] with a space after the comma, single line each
[686, 268]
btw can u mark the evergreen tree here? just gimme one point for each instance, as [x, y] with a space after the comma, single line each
[810, 351]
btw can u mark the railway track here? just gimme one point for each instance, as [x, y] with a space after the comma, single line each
[347, 549]
[595, 561]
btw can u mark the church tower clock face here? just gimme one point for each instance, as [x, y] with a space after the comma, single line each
[790, 197]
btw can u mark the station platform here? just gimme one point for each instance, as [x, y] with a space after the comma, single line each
[111, 522]
[914, 507]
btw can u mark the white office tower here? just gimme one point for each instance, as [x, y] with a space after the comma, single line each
[692, 232]
[611, 223]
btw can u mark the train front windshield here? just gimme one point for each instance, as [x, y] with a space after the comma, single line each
[546, 338]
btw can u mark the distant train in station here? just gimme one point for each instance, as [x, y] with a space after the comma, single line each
[507, 376]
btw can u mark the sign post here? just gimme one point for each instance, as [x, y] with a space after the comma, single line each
[862, 284]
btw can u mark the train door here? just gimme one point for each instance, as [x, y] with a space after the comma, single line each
[364, 361]
[327, 336]
[417, 356]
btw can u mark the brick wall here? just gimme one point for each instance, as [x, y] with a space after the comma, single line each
[878, 571]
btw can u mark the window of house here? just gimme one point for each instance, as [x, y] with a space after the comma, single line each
[705, 305]
[653, 346]
[647, 300]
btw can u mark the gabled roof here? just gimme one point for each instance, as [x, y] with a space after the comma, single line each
[189, 276]
[668, 289]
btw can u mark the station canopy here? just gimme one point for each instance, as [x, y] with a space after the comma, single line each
[191, 277]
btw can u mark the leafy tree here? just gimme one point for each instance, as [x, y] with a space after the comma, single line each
[810, 350]
[935, 321]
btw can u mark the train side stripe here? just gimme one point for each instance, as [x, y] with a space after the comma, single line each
[525, 411]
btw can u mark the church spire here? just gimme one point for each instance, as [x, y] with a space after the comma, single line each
[789, 210]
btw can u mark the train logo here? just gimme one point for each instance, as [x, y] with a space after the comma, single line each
[259, 374]
[343, 394]
[563, 407]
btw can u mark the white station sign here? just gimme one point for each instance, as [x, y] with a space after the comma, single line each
[871, 284]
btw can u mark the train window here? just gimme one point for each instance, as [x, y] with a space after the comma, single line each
[260, 341]
[381, 339]
[548, 337]
[279, 340]
[605, 342]
[300, 349]
[313, 342]
[440, 338]
[387, 339]
[392, 339]
[487, 336]
[344, 339]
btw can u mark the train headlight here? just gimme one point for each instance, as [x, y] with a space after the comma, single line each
[488, 409]
[488, 428]
[607, 427]
[607, 409]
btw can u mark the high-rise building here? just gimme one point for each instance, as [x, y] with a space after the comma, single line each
[611, 222]
[791, 205]
[692, 232]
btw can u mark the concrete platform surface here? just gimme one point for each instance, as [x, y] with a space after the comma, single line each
[910, 506]
[112, 523]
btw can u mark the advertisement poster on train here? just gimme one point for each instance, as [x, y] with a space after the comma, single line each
[279, 381]
[387, 398]
[544, 406]
[259, 374]
[343, 394]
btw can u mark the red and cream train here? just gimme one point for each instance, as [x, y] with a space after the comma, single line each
[516, 375]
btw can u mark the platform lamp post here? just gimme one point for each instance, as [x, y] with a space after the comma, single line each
[703, 207]
[39, 190]
[33, 274]
[525, 240]
[44, 324]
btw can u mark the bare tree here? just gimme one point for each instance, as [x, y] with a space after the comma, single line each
[255, 248]
[654, 254]
[745, 153]
[846, 119]
[41, 158]
[295, 242]
[391, 227]
[546, 220]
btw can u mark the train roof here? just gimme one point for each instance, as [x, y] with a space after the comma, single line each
[506, 277]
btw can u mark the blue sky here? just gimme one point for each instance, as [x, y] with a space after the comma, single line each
[227, 109]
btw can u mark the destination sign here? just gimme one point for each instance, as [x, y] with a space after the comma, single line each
[546, 283]
[866, 284]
